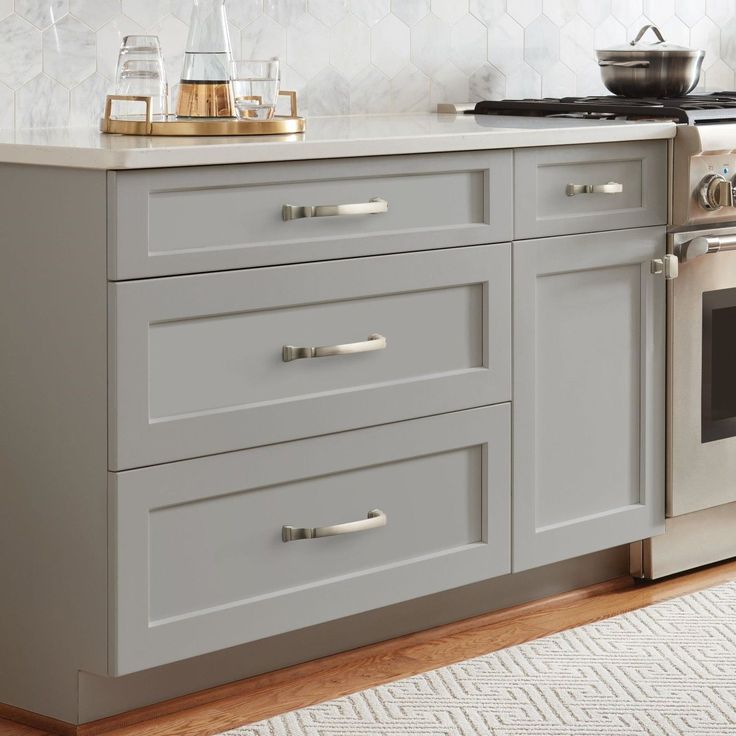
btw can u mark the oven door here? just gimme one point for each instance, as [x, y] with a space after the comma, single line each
[702, 379]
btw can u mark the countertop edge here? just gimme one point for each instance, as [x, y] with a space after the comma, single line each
[274, 151]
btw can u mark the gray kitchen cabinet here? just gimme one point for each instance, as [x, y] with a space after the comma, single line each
[198, 561]
[589, 390]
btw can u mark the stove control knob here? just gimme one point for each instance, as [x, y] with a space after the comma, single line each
[715, 192]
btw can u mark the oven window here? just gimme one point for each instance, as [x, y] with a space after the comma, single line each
[719, 365]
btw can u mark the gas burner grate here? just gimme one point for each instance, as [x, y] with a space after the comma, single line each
[693, 109]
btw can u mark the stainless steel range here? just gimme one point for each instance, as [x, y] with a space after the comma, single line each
[701, 313]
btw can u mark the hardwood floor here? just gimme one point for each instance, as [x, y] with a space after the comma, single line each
[247, 701]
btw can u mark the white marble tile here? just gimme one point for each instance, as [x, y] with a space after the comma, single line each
[609, 33]
[558, 80]
[286, 12]
[87, 100]
[94, 13]
[369, 91]
[329, 93]
[264, 38]
[109, 38]
[541, 44]
[235, 43]
[720, 11]
[626, 11]
[7, 108]
[449, 11]
[718, 76]
[295, 82]
[350, 47]
[675, 30]
[42, 13]
[390, 43]
[69, 51]
[382, 54]
[728, 43]
[588, 80]
[468, 44]
[42, 103]
[690, 11]
[560, 12]
[448, 84]
[330, 12]
[182, 9]
[410, 90]
[21, 57]
[370, 11]
[487, 83]
[706, 35]
[172, 34]
[506, 44]
[430, 44]
[524, 11]
[523, 82]
[658, 11]
[240, 12]
[410, 11]
[146, 12]
[594, 11]
[308, 46]
[577, 43]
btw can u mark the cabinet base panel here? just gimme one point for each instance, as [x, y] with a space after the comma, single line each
[234, 679]
[264, 696]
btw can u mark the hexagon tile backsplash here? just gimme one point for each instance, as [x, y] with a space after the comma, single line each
[57, 57]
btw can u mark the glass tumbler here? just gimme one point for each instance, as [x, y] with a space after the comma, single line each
[255, 88]
[141, 71]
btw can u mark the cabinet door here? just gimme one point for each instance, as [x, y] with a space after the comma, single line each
[589, 394]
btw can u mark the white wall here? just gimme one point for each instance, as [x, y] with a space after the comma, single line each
[57, 57]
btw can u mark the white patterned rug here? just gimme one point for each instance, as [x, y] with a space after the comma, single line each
[665, 670]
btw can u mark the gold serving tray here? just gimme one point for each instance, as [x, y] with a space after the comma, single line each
[172, 125]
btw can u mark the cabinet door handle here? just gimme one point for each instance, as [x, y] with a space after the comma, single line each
[376, 518]
[374, 342]
[613, 187]
[375, 206]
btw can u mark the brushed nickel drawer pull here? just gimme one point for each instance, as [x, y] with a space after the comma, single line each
[375, 206]
[612, 187]
[374, 342]
[376, 518]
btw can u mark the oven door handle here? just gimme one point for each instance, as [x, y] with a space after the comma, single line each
[703, 245]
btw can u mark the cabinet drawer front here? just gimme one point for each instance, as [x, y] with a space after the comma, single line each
[226, 217]
[198, 558]
[542, 177]
[197, 365]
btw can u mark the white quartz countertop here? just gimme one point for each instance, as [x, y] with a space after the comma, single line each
[326, 137]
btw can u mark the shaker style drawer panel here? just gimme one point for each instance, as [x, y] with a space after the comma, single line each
[578, 189]
[198, 219]
[198, 556]
[218, 362]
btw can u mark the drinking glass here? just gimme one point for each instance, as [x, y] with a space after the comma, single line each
[141, 71]
[255, 88]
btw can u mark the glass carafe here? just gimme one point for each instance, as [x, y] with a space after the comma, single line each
[205, 89]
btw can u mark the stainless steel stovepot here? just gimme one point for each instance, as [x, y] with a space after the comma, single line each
[659, 69]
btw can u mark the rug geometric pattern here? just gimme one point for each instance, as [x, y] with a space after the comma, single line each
[665, 670]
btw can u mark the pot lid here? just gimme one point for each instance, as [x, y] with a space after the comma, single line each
[655, 46]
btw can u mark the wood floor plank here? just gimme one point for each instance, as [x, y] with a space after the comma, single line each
[223, 708]
[325, 679]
